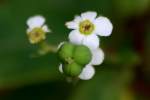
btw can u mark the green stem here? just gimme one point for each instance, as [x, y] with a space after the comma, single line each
[72, 80]
[46, 48]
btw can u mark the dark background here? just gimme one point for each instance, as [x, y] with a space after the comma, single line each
[124, 75]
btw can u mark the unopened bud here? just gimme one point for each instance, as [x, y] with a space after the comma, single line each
[73, 69]
[82, 55]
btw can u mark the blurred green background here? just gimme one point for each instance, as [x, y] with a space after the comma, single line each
[124, 75]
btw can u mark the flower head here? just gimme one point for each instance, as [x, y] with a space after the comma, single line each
[86, 27]
[36, 29]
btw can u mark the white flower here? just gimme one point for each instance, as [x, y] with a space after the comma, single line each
[86, 27]
[89, 71]
[36, 29]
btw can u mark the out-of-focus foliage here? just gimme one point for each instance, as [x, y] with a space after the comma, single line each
[25, 77]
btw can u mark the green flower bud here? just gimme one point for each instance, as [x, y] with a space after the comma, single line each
[73, 69]
[65, 52]
[82, 55]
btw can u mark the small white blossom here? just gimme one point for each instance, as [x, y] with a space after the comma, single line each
[89, 71]
[36, 29]
[86, 27]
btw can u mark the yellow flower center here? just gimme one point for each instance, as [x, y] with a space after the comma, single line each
[36, 35]
[86, 27]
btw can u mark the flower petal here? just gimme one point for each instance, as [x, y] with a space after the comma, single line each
[103, 26]
[77, 19]
[97, 56]
[46, 29]
[89, 15]
[72, 25]
[35, 21]
[92, 41]
[87, 73]
[60, 68]
[60, 44]
[75, 37]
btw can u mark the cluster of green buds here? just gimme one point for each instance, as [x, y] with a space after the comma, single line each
[74, 58]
